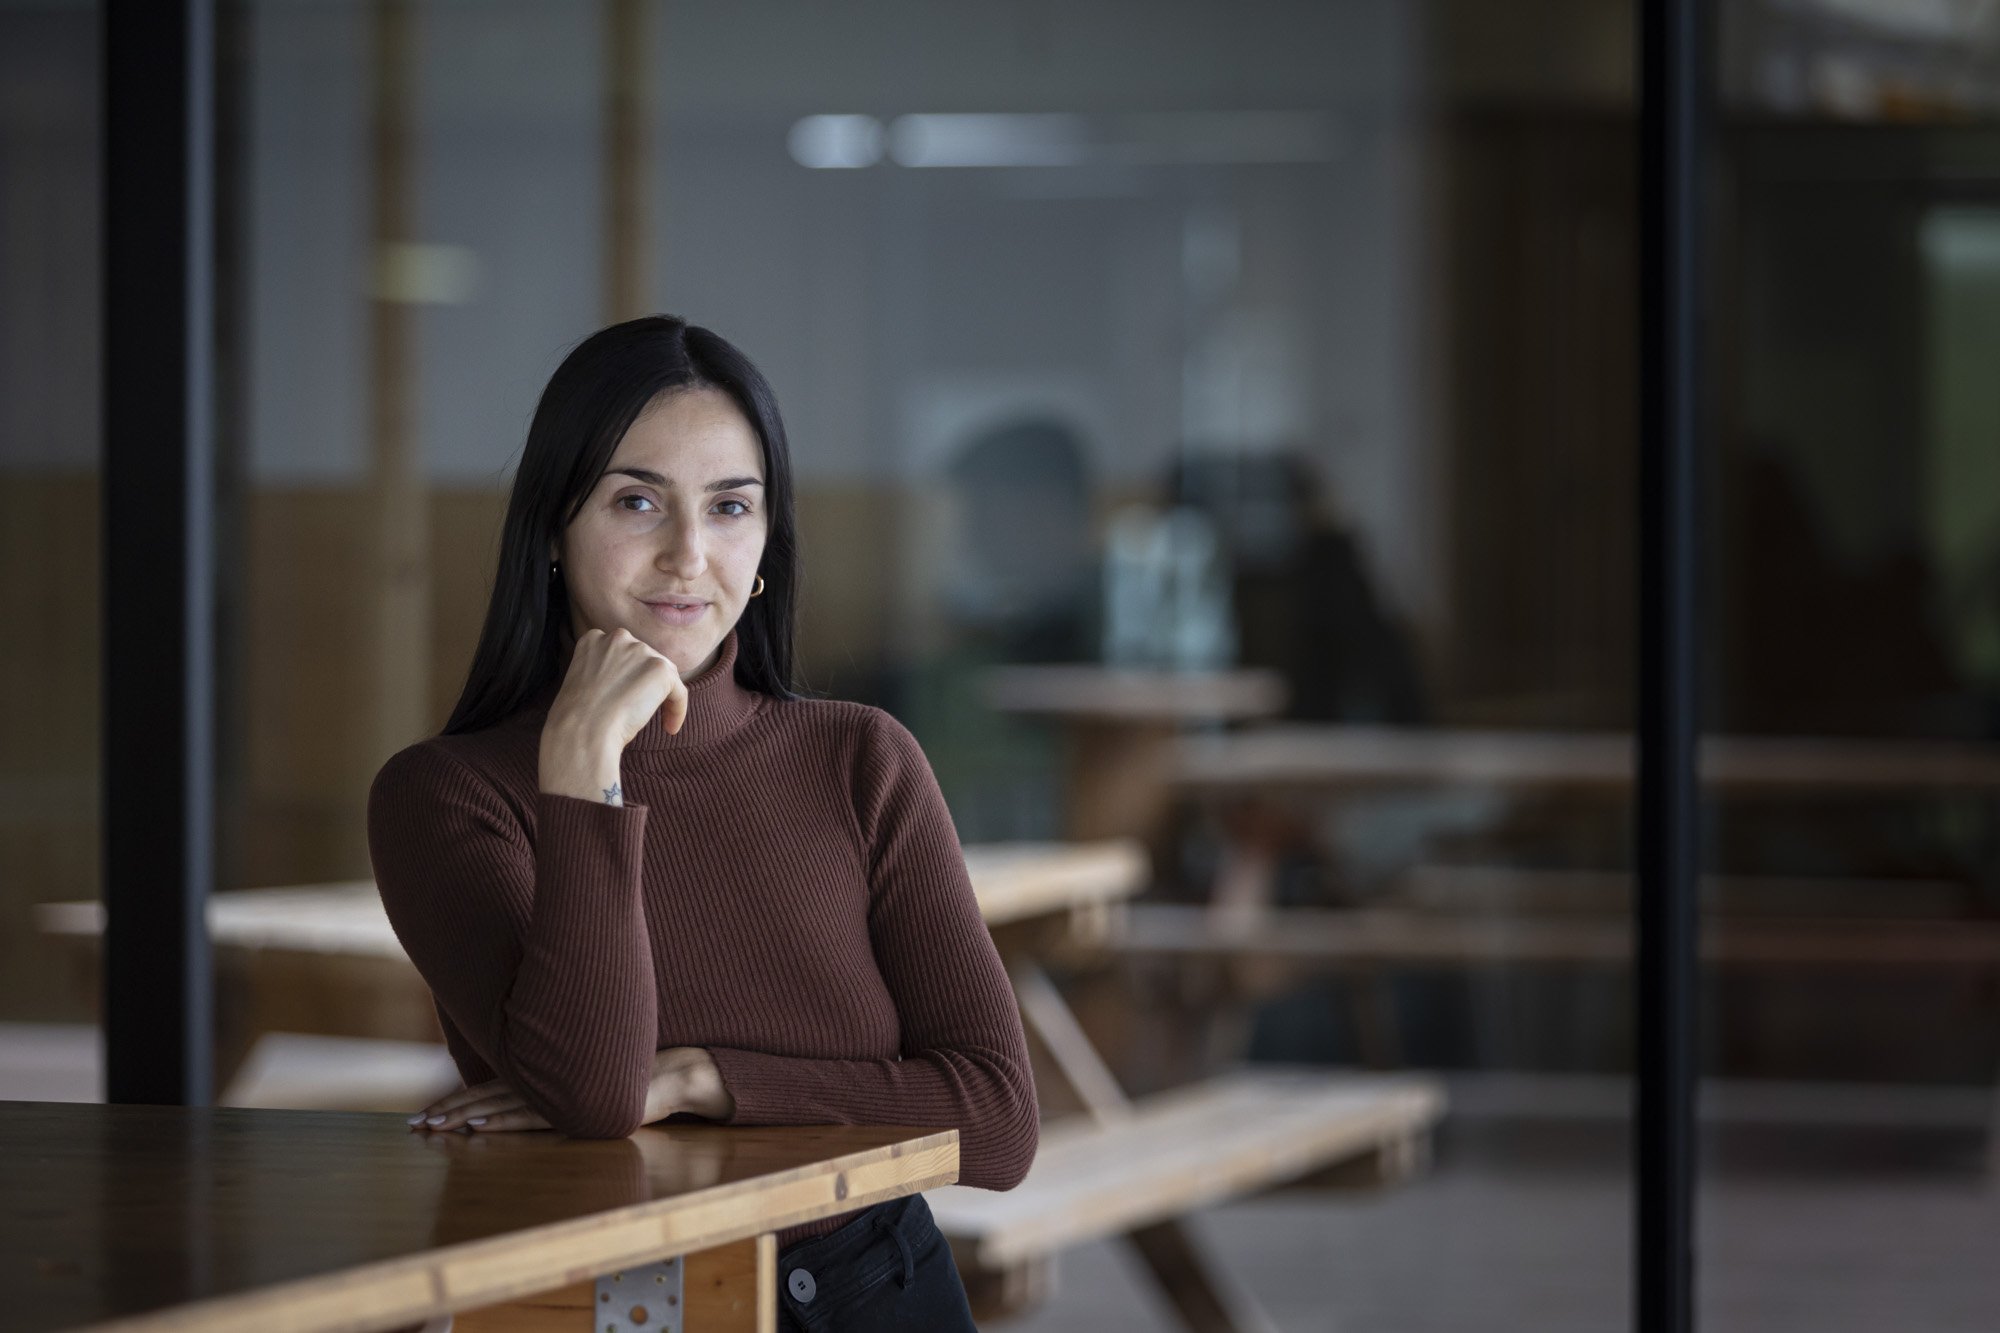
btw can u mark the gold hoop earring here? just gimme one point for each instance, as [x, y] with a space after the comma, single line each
[758, 591]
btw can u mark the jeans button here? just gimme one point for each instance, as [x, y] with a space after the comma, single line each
[802, 1284]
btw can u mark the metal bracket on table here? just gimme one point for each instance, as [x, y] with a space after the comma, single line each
[646, 1299]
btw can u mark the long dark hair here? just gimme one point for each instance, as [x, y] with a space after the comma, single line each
[591, 401]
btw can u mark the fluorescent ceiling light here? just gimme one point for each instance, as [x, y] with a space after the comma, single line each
[1045, 139]
[1069, 139]
[831, 142]
[1062, 139]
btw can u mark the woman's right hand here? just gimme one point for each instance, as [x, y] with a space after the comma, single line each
[614, 686]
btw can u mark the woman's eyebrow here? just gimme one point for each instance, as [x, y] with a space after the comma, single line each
[652, 478]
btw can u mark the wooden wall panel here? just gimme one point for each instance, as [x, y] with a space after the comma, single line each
[49, 603]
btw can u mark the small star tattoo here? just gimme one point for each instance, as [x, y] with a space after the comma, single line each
[614, 795]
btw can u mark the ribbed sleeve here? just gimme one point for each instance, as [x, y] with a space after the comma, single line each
[964, 1057]
[535, 948]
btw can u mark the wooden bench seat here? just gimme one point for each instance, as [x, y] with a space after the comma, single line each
[1322, 757]
[1240, 1133]
[1321, 936]
[1109, 1166]
[1502, 890]
[1226, 962]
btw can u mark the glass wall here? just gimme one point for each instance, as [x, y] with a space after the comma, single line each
[1215, 430]
[49, 531]
[1212, 427]
[1850, 906]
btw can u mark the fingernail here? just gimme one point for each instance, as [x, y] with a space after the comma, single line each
[416, 1119]
[477, 1120]
[435, 1120]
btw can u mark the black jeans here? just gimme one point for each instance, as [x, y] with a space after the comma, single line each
[889, 1268]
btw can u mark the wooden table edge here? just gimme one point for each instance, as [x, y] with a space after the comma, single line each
[394, 1292]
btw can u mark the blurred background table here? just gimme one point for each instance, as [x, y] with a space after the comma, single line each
[323, 960]
[1266, 784]
[1121, 726]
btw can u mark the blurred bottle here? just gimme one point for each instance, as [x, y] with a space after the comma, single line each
[1166, 591]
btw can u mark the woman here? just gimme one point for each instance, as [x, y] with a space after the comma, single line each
[644, 877]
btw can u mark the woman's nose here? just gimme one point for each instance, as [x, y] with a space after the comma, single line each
[681, 548]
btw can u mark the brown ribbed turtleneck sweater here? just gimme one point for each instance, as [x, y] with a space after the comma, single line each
[782, 887]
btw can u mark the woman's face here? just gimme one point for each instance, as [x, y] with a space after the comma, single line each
[678, 516]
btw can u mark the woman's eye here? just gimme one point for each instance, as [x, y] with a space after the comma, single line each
[729, 508]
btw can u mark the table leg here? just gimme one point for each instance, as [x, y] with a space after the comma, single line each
[1077, 1074]
[1194, 1285]
[1119, 779]
[1256, 834]
[727, 1289]
[734, 1288]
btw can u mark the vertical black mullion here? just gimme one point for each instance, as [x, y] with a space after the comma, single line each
[158, 687]
[232, 474]
[1672, 83]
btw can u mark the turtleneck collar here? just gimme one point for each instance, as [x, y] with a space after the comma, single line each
[717, 705]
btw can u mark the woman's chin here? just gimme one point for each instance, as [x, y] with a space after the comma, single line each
[687, 649]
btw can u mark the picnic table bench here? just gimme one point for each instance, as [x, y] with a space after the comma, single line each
[1244, 956]
[1266, 784]
[1110, 1165]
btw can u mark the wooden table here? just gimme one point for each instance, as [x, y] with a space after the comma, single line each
[1265, 785]
[1121, 726]
[1281, 946]
[322, 959]
[1321, 758]
[1265, 782]
[154, 1218]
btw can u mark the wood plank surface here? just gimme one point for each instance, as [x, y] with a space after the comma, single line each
[1494, 890]
[1340, 756]
[1315, 935]
[1022, 880]
[149, 1218]
[1181, 1150]
[343, 918]
[1012, 881]
[719, 1293]
[1121, 694]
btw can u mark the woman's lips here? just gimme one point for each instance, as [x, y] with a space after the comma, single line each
[667, 613]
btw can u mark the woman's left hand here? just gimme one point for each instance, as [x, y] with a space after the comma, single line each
[684, 1079]
[485, 1108]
